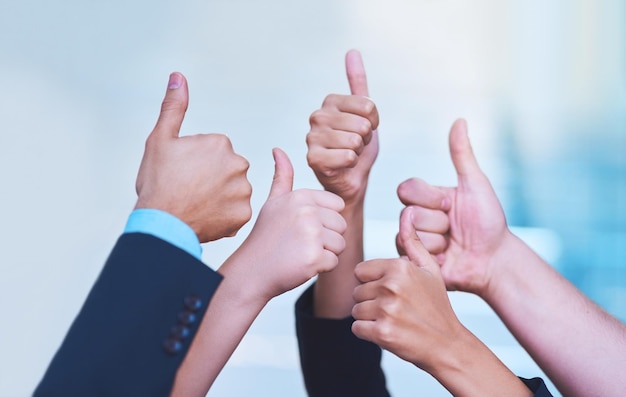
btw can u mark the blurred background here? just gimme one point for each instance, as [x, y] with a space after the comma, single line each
[542, 85]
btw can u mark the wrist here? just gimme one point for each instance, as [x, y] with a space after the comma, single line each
[333, 289]
[241, 285]
[450, 360]
[503, 266]
[353, 195]
[353, 208]
[468, 368]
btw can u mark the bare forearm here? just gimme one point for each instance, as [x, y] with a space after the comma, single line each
[579, 346]
[226, 321]
[333, 290]
[469, 368]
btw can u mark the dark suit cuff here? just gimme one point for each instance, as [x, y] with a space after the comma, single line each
[136, 324]
[334, 361]
[537, 386]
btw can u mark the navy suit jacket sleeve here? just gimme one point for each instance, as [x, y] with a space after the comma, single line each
[336, 363]
[136, 325]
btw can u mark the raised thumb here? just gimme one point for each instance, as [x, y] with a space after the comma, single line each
[355, 71]
[173, 107]
[411, 244]
[283, 174]
[461, 151]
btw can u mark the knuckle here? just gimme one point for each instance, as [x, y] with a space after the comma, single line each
[318, 117]
[358, 273]
[328, 173]
[331, 263]
[220, 140]
[364, 127]
[355, 293]
[355, 141]
[298, 197]
[341, 246]
[309, 214]
[343, 226]
[247, 213]
[355, 310]
[330, 100]
[244, 194]
[392, 286]
[170, 104]
[407, 188]
[384, 333]
[245, 164]
[390, 308]
[313, 144]
[151, 141]
[244, 209]
[402, 189]
[218, 136]
[368, 108]
[409, 208]
[350, 157]
[310, 256]
[312, 160]
[243, 217]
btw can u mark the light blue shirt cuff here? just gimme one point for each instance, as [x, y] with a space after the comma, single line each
[165, 226]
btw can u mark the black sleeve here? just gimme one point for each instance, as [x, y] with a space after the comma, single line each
[337, 363]
[334, 361]
[537, 386]
[136, 325]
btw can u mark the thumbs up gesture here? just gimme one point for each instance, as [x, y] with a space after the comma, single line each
[463, 227]
[199, 179]
[297, 235]
[402, 304]
[343, 141]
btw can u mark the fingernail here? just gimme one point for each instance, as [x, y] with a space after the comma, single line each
[175, 81]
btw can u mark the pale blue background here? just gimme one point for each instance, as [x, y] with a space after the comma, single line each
[542, 85]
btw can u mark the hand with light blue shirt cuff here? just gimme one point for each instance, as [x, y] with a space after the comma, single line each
[165, 226]
[199, 179]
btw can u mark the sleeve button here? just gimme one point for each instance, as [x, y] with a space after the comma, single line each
[193, 302]
[180, 332]
[172, 346]
[186, 318]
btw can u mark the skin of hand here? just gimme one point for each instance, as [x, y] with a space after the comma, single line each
[403, 307]
[343, 140]
[465, 229]
[199, 179]
[342, 147]
[297, 235]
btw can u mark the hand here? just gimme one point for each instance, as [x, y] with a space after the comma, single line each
[403, 306]
[464, 227]
[297, 235]
[199, 179]
[343, 141]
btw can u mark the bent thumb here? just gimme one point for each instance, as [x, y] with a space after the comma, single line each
[283, 174]
[411, 243]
